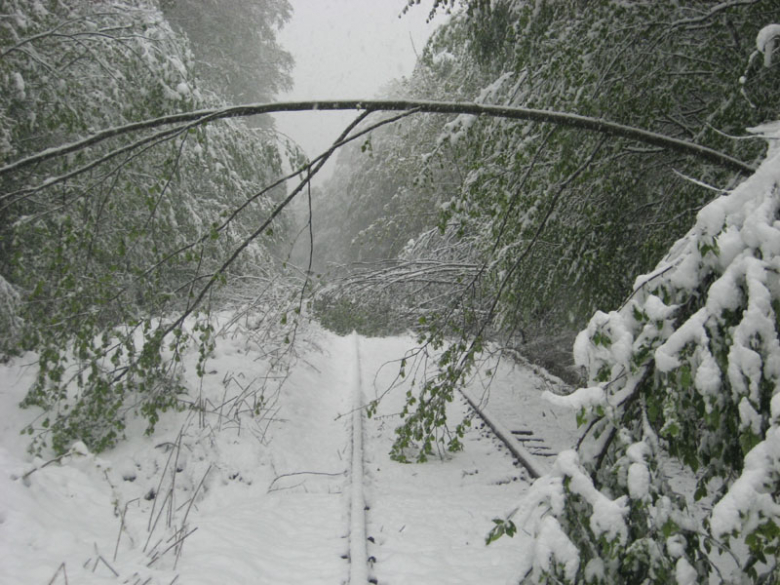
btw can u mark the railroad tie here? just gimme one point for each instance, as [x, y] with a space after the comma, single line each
[535, 445]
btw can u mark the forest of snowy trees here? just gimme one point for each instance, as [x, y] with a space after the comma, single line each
[100, 247]
[475, 192]
[118, 221]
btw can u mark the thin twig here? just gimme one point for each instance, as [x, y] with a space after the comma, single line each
[57, 572]
[174, 470]
[278, 477]
[154, 526]
[55, 460]
[194, 495]
[149, 564]
[105, 562]
[121, 527]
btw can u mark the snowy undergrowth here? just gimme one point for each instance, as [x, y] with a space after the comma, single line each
[131, 511]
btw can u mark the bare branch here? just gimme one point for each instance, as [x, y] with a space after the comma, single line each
[44, 34]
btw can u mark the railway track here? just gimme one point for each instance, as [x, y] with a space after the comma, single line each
[522, 443]
[369, 525]
[358, 538]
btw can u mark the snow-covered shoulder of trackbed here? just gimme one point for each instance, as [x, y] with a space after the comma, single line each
[254, 486]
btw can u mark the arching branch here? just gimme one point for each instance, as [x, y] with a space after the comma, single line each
[513, 113]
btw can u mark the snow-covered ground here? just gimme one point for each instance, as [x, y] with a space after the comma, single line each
[224, 497]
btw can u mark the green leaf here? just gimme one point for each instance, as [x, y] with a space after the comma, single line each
[502, 527]
[686, 379]
[670, 527]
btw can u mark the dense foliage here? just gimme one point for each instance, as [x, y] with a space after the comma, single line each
[234, 45]
[99, 249]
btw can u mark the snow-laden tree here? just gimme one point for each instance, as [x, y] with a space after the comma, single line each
[685, 374]
[100, 247]
[234, 44]
[641, 64]
[677, 475]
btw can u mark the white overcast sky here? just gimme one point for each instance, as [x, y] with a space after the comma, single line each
[346, 49]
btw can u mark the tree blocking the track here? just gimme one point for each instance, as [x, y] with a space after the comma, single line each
[514, 113]
[190, 120]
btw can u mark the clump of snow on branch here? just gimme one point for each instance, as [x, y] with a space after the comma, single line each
[766, 42]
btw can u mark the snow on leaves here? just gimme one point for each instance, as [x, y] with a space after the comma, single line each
[687, 372]
[105, 243]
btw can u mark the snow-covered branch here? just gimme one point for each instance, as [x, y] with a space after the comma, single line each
[715, 10]
[514, 113]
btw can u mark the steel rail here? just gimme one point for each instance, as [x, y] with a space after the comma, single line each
[534, 467]
[358, 539]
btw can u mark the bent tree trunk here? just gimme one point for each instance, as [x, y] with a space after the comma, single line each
[516, 113]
